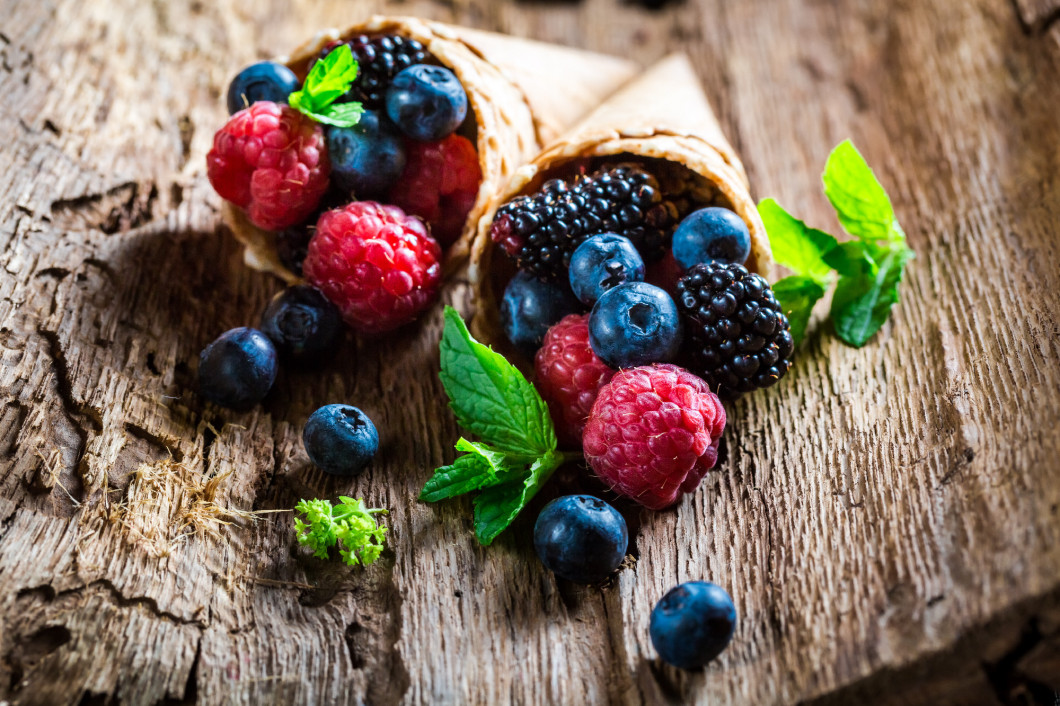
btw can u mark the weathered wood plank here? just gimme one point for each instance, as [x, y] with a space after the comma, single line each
[884, 518]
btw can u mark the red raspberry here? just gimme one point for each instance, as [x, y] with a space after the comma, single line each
[270, 160]
[569, 375]
[439, 184]
[653, 433]
[377, 265]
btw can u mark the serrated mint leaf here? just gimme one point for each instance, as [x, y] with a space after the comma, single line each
[468, 472]
[795, 245]
[489, 396]
[328, 80]
[797, 295]
[497, 507]
[862, 205]
[854, 258]
[341, 114]
[862, 304]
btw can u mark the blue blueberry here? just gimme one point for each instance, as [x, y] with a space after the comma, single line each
[301, 321]
[580, 538]
[635, 324]
[366, 159]
[530, 307]
[603, 262]
[711, 234]
[238, 369]
[263, 81]
[340, 439]
[692, 624]
[426, 102]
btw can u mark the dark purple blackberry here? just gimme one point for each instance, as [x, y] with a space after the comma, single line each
[379, 59]
[740, 339]
[541, 232]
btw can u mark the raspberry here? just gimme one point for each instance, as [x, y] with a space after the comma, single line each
[439, 184]
[270, 160]
[541, 232]
[653, 433]
[740, 338]
[569, 375]
[377, 265]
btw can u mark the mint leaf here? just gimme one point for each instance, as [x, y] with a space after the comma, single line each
[795, 245]
[862, 205]
[489, 396]
[852, 258]
[797, 295]
[497, 507]
[861, 304]
[328, 80]
[492, 399]
[467, 473]
[340, 114]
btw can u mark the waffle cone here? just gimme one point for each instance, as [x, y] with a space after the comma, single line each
[662, 115]
[522, 93]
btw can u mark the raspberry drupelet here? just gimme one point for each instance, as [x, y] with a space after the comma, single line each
[270, 160]
[653, 433]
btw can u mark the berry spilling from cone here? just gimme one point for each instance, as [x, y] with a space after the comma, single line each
[358, 168]
[629, 284]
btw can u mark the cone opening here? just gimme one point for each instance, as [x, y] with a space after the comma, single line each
[468, 129]
[687, 188]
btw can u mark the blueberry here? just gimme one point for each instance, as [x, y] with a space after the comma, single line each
[366, 159]
[711, 234]
[340, 439]
[237, 369]
[635, 324]
[603, 262]
[426, 102]
[301, 321]
[263, 81]
[692, 624]
[580, 538]
[530, 307]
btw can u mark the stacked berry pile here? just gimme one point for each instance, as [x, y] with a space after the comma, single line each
[615, 288]
[358, 170]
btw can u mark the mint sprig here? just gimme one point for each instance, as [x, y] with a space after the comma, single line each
[328, 80]
[516, 453]
[869, 267]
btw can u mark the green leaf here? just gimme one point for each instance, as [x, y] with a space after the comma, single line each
[862, 205]
[853, 258]
[797, 295]
[497, 507]
[489, 396]
[481, 468]
[328, 80]
[340, 114]
[862, 304]
[795, 245]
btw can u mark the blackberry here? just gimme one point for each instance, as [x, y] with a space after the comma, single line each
[541, 232]
[740, 338]
[379, 59]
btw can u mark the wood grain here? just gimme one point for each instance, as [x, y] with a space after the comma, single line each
[886, 518]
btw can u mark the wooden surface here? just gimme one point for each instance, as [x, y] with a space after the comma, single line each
[886, 519]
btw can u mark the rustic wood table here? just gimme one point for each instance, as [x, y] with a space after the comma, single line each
[886, 518]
